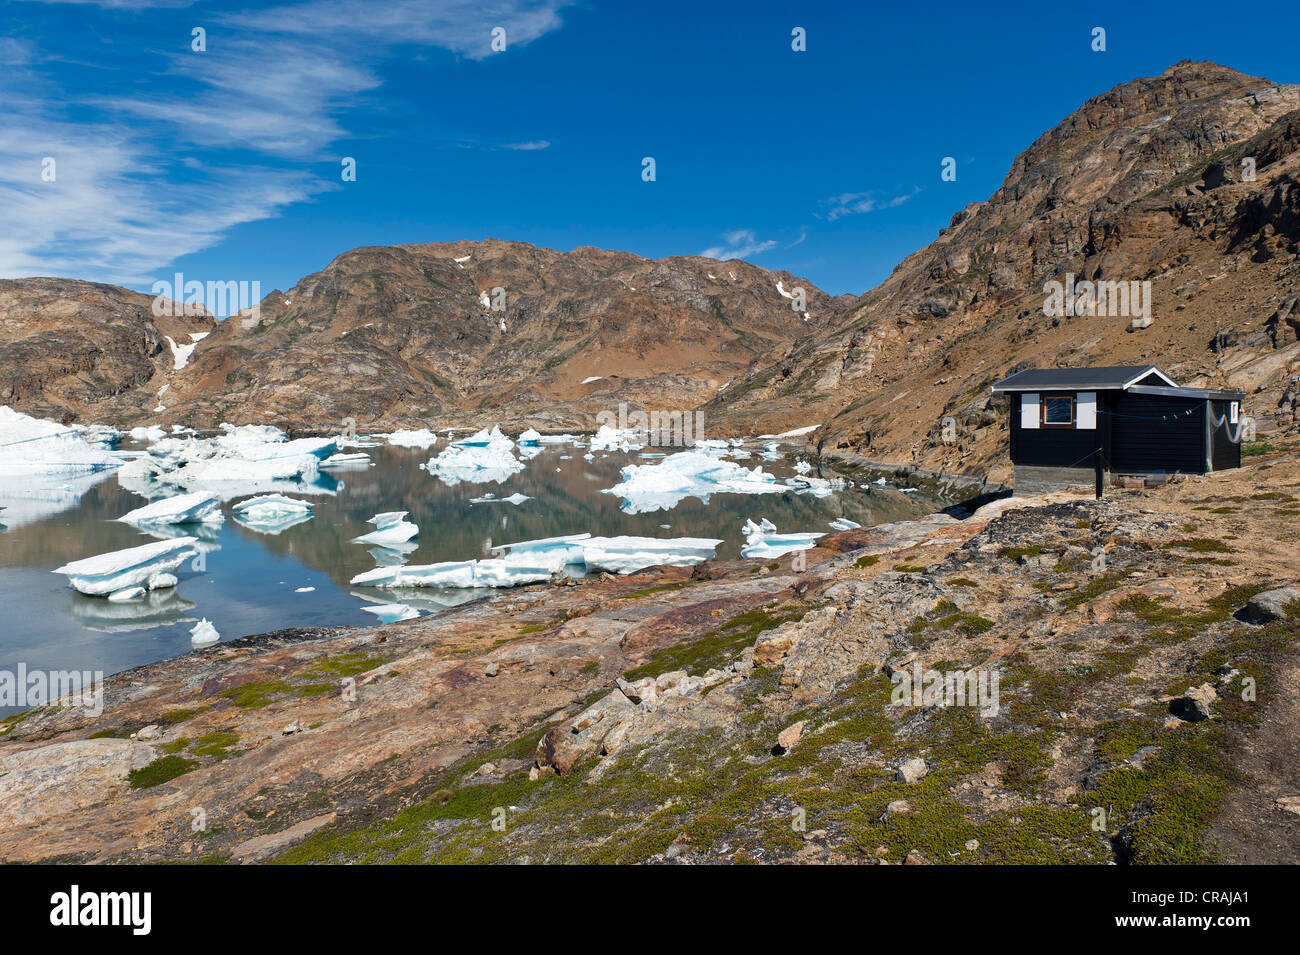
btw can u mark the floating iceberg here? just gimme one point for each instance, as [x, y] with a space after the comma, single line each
[530, 437]
[537, 561]
[196, 508]
[844, 524]
[484, 457]
[654, 487]
[239, 460]
[393, 528]
[761, 540]
[812, 486]
[613, 439]
[34, 446]
[420, 438]
[272, 513]
[392, 613]
[149, 565]
[151, 433]
[204, 634]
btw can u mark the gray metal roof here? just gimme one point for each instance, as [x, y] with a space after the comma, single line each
[1100, 379]
[1190, 392]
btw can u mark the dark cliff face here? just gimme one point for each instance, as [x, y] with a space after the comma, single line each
[1143, 183]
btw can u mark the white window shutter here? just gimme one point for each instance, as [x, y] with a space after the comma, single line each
[1029, 411]
[1085, 411]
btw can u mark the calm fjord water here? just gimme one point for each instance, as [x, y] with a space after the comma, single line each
[251, 580]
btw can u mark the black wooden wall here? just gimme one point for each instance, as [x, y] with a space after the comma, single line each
[1141, 443]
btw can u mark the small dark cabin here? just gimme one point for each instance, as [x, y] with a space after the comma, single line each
[1069, 424]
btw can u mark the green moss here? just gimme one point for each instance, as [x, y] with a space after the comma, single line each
[215, 745]
[161, 770]
[1015, 553]
[870, 560]
[717, 647]
[909, 569]
[1200, 545]
[259, 693]
[662, 588]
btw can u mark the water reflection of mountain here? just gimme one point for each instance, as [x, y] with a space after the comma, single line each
[155, 609]
[38, 497]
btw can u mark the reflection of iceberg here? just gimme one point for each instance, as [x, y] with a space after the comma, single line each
[36, 497]
[272, 513]
[431, 601]
[515, 499]
[196, 508]
[354, 461]
[484, 457]
[654, 487]
[392, 528]
[390, 555]
[812, 486]
[147, 564]
[761, 540]
[157, 608]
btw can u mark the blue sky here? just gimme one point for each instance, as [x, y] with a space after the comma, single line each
[225, 164]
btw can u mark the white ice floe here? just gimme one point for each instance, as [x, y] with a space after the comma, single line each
[346, 461]
[204, 634]
[531, 436]
[392, 613]
[536, 561]
[34, 446]
[151, 434]
[812, 486]
[418, 438]
[127, 593]
[762, 540]
[304, 590]
[196, 508]
[149, 565]
[654, 487]
[484, 457]
[844, 524]
[515, 499]
[271, 513]
[615, 439]
[392, 528]
[238, 461]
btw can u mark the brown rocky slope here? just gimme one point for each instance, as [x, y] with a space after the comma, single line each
[1143, 183]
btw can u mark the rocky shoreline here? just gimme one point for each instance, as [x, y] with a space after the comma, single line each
[738, 712]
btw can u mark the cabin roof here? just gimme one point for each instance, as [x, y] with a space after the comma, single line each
[1109, 377]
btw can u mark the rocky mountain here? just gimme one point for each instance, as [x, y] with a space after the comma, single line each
[1187, 180]
[452, 332]
[80, 351]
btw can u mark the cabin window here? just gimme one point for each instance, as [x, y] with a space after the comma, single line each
[1058, 411]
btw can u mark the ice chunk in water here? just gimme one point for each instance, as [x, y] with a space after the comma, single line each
[485, 457]
[34, 447]
[419, 438]
[530, 437]
[761, 540]
[272, 513]
[105, 574]
[196, 508]
[655, 487]
[625, 555]
[346, 461]
[204, 634]
[391, 613]
[515, 499]
[393, 528]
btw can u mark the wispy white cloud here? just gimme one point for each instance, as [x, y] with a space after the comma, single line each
[276, 82]
[740, 244]
[529, 146]
[857, 203]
